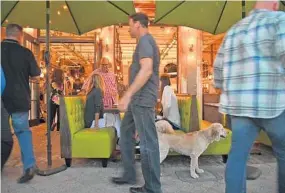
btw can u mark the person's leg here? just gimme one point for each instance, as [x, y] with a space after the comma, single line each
[6, 136]
[58, 117]
[244, 132]
[127, 150]
[6, 149]
[275, 129]
[118, 124]
[149, 148]
[252, 172]
[52, 114]
[20, 123]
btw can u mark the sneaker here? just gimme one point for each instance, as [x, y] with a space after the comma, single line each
[27, 176]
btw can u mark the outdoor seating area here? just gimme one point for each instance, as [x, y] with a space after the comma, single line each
[76, 141]
[190, 92]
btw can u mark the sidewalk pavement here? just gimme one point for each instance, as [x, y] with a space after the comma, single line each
[87, 175]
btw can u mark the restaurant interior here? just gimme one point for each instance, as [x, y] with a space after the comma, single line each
[188, 52]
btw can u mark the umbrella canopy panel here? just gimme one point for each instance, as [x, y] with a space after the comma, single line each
[76, 17]
[211, 16]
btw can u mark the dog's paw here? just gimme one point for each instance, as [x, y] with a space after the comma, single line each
[199, 171]
[194, 175]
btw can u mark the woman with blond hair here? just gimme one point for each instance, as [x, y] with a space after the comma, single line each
[94, 107]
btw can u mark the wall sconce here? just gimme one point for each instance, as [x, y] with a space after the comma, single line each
[210, 77]
[43, 72]
[107, 44]
[191, 48]
[107, 47]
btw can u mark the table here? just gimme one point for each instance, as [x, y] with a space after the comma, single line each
[113, 110]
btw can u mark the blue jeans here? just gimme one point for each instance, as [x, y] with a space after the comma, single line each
[142, 119]
[20, 123]
[244, 132]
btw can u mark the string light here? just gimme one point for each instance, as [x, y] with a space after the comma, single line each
[65, 7]
[58, 12]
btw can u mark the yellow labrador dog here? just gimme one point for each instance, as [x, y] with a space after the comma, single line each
[190, 144]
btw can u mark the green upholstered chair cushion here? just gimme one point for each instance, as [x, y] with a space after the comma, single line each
[75, 112]
[264, 139]
[94, 143]
[184, 104]
[80, 142]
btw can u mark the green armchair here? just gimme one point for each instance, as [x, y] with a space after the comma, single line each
[80, 142]
[190, 121]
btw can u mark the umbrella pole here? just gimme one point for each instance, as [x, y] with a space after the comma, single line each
[50, 170]
[243, 8]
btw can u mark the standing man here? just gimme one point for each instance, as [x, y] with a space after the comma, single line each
[139, 102]
[19, 64]
[250, 71]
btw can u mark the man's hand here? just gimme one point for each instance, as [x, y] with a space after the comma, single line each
[124, 102]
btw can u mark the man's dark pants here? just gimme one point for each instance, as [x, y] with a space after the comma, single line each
[6, 136]
[142, 119]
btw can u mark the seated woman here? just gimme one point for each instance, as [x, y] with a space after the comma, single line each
[93, 116]
[169, 102]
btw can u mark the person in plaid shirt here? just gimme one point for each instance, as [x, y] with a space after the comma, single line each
[111, 93]
[250, 71]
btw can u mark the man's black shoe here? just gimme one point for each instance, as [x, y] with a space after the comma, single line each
[137, 190]
[27, 176]
[121, 181]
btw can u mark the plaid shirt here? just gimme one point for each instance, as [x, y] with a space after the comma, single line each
[110, 88]
[250, 66]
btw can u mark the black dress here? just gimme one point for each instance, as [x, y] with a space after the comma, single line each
[94, 104]
[56, 92]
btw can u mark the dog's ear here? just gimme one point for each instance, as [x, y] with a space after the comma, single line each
[216, 134]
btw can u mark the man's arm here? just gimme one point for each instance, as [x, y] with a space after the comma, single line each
[218, 68]
[96, 120]
[34, 70]
[280, 39]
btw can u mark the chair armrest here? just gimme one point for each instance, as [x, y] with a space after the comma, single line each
[65, 134]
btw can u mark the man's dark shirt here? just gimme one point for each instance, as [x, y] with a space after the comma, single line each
[18, 64]
[146, 48]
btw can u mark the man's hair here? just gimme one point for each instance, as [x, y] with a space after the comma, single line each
[140, 17]
[13, 30]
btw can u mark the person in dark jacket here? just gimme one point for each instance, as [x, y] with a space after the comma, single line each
[19, 65]
[93, 116]
[6, 135]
